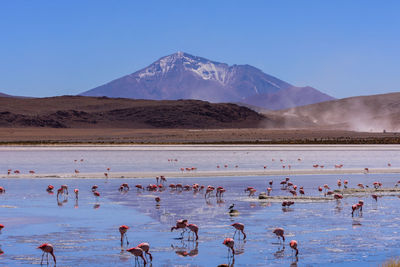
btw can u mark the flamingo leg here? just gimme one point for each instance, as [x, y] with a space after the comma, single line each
[126, 237]
[41, 262]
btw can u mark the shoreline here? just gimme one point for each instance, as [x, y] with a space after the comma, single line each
[202, 174]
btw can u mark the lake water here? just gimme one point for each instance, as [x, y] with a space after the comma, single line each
[85, 233]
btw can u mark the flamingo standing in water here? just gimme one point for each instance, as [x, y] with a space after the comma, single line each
[47, 248]
[194, 229]
[279, 232]
[180, 224]
[239, 227]
[1, 226]
[230, 243]
[375, 197]
[76, 191]
[137, 252]
[123, 229]
[293, 245]
[146, 247]
[2, 190]
[50, 188]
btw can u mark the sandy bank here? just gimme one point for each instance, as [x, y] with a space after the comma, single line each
[221, 173]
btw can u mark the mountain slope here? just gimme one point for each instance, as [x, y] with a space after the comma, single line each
[361, 113]
[288, 98]
[183, 76]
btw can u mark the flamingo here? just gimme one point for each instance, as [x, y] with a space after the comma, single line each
[123, 229]
[346, 182]
[180, 224]
[360, 204]
[50, 188]
[279, 232]
[146, 247]
[230, 243]
[96, 194]
[2, 190]
[137, 252]
[271, 182]
[353, 209]
[194, 229]
[94, 188]
[47, 248]
[239, 227]
[1, 226]
[339, 183]
[301, 191]
[139, 186]
[157, 199]
[337, 196]
[374, 197]
[252, 192]
[209, 190]
[269, 189]
[293, 245]
[76, 191]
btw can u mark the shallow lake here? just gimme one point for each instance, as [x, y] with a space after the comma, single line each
[85, 232]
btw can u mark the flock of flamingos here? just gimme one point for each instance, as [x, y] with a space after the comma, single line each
[142, 250]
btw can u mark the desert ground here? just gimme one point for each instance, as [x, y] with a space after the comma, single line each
[38, 135]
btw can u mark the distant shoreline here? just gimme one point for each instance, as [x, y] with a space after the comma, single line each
[247, 136]
[203, 174]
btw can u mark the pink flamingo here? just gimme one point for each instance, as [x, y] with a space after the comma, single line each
[2, 190]
[50, 188]
[180, 224]
[239, 227]
[137, 252]
[279, 232]
[252, 192]
[293, 245]
[230, 243]
[1, 226]
[122, 230]
[146, 247]
[194, 229]
[269, 189]
[47, 248]
[76, 191]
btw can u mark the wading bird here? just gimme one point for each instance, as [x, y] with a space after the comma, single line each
[239, 227]
[293, 245]
[48, 249]
[137, 252]
[279, 232]
[122, 230]
[230, 243]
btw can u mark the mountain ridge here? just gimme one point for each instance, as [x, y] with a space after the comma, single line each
[184, 76]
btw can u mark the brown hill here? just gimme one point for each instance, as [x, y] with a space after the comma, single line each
[362, 113]
[103, 112]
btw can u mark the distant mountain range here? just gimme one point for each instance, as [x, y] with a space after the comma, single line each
[183, 76]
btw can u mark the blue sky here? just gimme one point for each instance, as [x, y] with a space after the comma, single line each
[343, 48]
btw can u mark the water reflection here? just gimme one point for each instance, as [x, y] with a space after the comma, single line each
[280, 253]
[186, 248]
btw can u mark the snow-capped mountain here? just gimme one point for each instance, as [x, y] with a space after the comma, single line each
[183, 76]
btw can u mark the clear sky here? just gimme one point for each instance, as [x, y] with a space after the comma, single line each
[343, 48]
